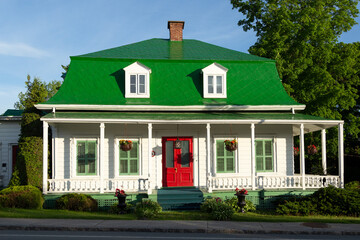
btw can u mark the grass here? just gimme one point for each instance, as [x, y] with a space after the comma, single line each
[171, 215]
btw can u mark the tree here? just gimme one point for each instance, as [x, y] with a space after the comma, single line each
[28, 168]
[316, 70]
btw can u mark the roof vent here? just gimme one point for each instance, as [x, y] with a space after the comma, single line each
[176, 30]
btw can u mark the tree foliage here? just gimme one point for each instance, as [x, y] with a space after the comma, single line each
[28, 168]
[315, 68]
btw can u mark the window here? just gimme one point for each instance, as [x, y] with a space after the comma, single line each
[137, 84]
[129, 160]
[225, 160]
[86, 157]
[214, 80]
[264, 155]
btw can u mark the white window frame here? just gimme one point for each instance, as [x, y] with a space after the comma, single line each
[236, 153]
[274, 141]
[117, 156]
[137, 69]
[214, 70]
[73, 166]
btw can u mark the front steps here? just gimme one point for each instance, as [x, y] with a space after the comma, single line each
[180, 198]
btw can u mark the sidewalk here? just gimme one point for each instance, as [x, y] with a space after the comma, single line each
[179, 226]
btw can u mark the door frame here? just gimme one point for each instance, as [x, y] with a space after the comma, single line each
[163, 159]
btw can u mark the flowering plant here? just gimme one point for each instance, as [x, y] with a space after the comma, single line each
[119, 192]
[230, 143]
[125, 142]
[242, 191]
[296, 151]
[312, 149]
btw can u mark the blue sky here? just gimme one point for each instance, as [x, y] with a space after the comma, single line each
[38, 36]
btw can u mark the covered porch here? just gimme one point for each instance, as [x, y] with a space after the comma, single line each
[207, 126]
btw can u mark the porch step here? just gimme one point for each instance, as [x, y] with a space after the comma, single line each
[179, 198]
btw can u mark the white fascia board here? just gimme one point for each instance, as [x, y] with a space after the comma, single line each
[83, 107]
[330, 123]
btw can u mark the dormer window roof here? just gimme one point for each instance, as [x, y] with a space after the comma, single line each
[214, 81]
[137, 81]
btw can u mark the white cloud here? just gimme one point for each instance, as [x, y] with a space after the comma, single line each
[21, 50]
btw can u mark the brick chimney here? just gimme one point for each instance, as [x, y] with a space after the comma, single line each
[176, 30]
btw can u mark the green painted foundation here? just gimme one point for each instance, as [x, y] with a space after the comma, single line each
[177, 200]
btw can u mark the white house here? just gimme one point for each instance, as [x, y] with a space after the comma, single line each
[162, 92]
[9, 136]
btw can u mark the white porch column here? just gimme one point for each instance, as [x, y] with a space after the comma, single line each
[208, 163]
[341, 154]
[302, 156]
[323, 150]
[101, 157]
[53, 151]
[253, 167]
[45, 155]
[149, 156]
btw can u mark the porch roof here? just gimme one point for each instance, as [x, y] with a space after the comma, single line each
[312, 123]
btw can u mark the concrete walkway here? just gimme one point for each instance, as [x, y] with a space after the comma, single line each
[178, 226]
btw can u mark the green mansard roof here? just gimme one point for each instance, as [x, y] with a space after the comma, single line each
[175, 80]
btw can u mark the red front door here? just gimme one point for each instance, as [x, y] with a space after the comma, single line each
[177, 163]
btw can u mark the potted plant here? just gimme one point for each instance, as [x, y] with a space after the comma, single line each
[241, 194]
[312, 150]
[230, 145]
[121, 196]
[126, 145]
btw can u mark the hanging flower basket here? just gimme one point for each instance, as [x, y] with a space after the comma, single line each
[230, 145]
[296, 151]
[312, 150]
[126, 145]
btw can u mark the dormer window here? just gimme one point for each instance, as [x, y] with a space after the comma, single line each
[214, 80]
[137, 81]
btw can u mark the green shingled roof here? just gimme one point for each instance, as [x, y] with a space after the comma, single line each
[175, 80]
[12, 113]
[174, 50]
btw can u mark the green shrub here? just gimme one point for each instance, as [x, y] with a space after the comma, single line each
[354, 185]
[28, 197]
[77, 202]
[147, 209]
[249, 207]
[115, 210]
[325, 201]
[218, 209]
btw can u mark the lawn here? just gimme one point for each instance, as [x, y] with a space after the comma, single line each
[171, 215]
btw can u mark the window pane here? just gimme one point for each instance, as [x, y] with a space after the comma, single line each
[268, 163]
[259, 148]
[123, 166]
[133, 166]
[80, 149]
[220, 164]
[268, 148]
[134, 150]
[185, 155]
[123, 154]
[91, 150]
[141, 83]
[132, 83]
[92, 166]
[220, 145]
[259, 164]
[230, 164]
[81, 166]
[169, 154]
[210, 84]
[218, 84]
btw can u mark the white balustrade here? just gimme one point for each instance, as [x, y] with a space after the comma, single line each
[93, 185]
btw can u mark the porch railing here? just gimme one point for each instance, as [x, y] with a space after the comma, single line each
[93, 185]
[274, 182]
